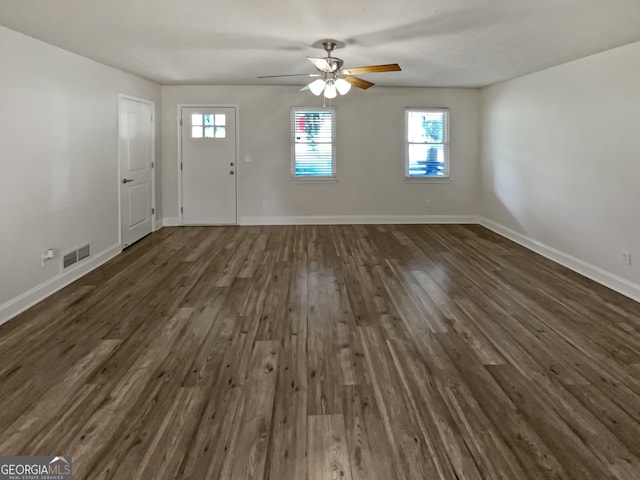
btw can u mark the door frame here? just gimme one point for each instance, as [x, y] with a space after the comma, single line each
[180, 106]
[124, 96]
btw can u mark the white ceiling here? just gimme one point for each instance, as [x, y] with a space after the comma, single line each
[457, 43]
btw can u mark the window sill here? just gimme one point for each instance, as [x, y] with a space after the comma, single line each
[427, 180]
[314, 180]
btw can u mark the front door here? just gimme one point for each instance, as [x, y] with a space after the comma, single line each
[208, 165]
[135, 126]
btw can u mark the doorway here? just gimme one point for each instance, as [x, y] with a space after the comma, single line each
[136, 129]
[208, 165]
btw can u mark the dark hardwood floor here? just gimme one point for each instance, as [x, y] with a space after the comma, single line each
[327, 352]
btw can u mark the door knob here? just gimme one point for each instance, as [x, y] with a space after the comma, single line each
[231, 164]
[127, 180]
[231, 172]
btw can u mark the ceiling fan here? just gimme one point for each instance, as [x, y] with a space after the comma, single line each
[332, 78]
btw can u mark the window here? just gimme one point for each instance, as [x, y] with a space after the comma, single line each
[313, 133]
[427, 150]
[208, 125]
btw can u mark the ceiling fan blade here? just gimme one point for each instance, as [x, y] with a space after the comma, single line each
[391, 67]
[305, 88]
[321, 64]
[358, 82]
[293, 75]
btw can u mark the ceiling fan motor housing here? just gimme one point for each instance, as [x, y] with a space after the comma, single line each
[335, 63]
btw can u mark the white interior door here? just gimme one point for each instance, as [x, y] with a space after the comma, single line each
[135, 125]
[208, 165]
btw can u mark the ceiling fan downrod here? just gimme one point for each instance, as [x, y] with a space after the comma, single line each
[329, 46]
[335, 63]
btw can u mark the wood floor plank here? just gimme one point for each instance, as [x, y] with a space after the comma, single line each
[164, 455]
[366, 439]
[218, 420]
[378, 352]
[35, 419]
[408, 449]
[324, 373]
[105, 422]
[490, 448]
[579, 441]
[441, 434]
[328, 453]
[530, 449]
[272, 324]
[288, 441]
[623, 424]
[247, 453]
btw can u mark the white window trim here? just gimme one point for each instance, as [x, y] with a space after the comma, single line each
[309, 179]
[313, 180]
[446, 178]
[428, 179]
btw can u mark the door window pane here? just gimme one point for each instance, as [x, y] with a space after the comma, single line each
[208, 125]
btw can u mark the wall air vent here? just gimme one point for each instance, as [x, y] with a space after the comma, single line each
[69, 259]
[76, 255]
[84, 252]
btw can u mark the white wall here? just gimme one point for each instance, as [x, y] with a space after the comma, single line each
[58, 147]
[370, 152]
[561, 162]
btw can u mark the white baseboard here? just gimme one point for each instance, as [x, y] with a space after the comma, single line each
[22, 302]
[597, 274]
[356, 219]
[158, 225]
[171, 221]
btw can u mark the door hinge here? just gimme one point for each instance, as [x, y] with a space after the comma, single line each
[180, 122]
[180, 165]
[151, 118]
[153, 164]
[153, 211]
[181, 209]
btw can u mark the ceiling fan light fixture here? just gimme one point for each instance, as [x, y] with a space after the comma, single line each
[343, 86]
[317, 86]
[330, 90]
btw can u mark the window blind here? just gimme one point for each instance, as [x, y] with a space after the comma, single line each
[427, 135]
[312, 142]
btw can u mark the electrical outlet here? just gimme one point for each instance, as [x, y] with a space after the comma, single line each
[265, 204]
[625, 257]
[427, 202]
[47, 255]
